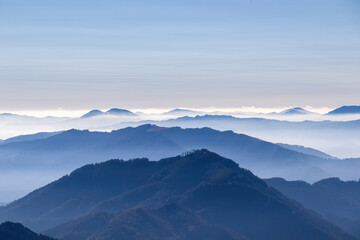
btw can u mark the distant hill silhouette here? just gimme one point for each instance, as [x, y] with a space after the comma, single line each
[2, 115]
[181, 111]
[118, 111]
[93, 113]
[170, 197]
[343, 134]
[16, 231]
[336, 200]
[345, 110]
[30, 137]
[306, 150]
[113, 111]
[296, 110]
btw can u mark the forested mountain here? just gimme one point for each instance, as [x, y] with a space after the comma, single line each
[201, 184]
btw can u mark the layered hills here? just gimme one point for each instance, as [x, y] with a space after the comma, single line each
[73, 148]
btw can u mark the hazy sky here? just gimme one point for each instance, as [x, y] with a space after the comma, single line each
[191, 53]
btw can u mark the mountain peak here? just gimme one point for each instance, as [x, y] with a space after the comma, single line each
[296, 110]
[92, 113]
[203, 153]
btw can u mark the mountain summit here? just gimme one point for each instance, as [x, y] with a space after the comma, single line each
[296, 110]
[92, 113]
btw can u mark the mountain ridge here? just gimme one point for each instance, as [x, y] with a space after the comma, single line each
[74, 148]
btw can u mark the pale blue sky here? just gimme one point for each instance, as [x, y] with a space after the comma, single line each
[191, 53]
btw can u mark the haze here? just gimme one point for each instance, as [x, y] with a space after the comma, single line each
[192, 53]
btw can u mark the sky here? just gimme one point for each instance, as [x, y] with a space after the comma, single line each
[142, 54]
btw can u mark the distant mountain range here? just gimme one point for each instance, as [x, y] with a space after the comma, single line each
[16, 231]
[199, 195]
[337, 111]
[74, 148]
[338, 138]
[293, 126]
[186, 112]
[113, 111]
[336, 200]
[345, 110]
